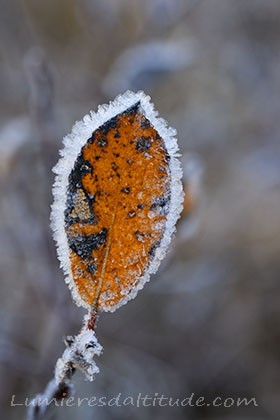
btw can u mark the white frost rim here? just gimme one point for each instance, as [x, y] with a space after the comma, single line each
[73, 143]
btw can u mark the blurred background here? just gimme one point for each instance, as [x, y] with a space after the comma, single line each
[209, 322]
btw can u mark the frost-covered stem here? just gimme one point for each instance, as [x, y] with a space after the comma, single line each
[42, 403]
[78, 354]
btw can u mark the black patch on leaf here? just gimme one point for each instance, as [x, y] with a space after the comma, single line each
[143, 144]
[161, 205]
[83, 245]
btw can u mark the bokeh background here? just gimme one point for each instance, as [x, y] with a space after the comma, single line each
[209, 322]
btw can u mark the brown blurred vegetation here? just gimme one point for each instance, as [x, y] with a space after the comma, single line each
[209, 321]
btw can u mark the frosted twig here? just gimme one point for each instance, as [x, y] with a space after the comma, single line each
[78, 354]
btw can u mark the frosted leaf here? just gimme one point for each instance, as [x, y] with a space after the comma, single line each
[117, 197]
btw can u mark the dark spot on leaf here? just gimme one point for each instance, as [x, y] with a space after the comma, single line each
[133, 109]
[81, 168]
[114, 166]
[102, 142]
[145, 123]
[71, 220]
[161, 205]
[92, 268]
[92, 220]
[143, 144]
[139, 236]
[108, 125]
[125, 190]
[83, 245]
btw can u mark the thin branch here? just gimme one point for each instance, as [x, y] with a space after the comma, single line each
[78, 354]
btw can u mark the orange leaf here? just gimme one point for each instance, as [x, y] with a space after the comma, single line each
[118, 195]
